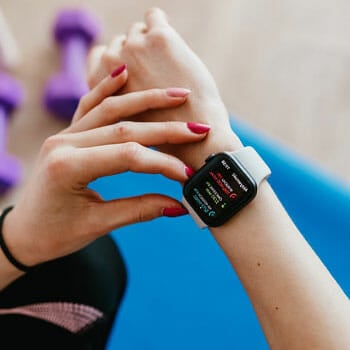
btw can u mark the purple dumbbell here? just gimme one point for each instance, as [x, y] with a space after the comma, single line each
[74, 31]
[11, 95]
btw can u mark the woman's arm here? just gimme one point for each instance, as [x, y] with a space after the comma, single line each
[8, 273]
[58, 214]
[297, 301]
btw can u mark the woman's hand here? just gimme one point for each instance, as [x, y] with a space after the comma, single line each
[58, 214]
[157, 56]
[296, 300]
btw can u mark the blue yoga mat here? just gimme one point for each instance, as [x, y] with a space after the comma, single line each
[182, 293]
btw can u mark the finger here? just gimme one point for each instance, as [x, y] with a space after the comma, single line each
[95, 162]
[155, 17]
[146, 134]
[111, 56]
[107, 87]
[121, 212]
[136, 31]
[115, 108]
[95, 70]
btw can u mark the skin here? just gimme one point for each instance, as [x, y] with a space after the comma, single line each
[58, 214]
[297, 301]
[158, 56]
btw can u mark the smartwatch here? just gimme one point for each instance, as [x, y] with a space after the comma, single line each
[223, 186]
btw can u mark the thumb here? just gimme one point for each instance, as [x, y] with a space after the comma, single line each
[95, 70]
[126, 211]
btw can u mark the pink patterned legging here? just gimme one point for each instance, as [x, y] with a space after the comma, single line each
[68, 303]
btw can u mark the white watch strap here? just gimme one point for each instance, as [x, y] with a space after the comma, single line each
[199, 222]
[252, 162]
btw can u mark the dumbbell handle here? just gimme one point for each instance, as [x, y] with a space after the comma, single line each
[11, 95]
[74, 52]
[3, 130]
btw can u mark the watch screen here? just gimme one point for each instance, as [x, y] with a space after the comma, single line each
[219, 189]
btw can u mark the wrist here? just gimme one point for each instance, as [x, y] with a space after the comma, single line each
[8, 272]
[16, 241]
[224, 185]
[261, 226]
[261, 220]
[221, 137]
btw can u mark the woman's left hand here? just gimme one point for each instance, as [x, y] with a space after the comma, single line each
[58, 214]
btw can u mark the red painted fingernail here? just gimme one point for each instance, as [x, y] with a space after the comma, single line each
[189, 171]
[118, 71]
[198, 128]
[177, 92]
[174, 212]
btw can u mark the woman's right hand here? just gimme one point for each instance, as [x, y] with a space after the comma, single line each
[157, 56]
[57, 213]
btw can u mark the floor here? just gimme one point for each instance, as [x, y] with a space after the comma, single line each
[283, 66]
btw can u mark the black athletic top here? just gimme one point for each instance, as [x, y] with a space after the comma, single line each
[67, 303]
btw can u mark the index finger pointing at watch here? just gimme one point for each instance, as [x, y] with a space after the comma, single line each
[155, 17]
[95, 162]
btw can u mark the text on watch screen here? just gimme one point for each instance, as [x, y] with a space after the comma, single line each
[220, 189]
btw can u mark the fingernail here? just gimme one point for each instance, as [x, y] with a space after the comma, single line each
[177, 92]
[174, 212]
[189, 171]
[118, 71]
[198, 128]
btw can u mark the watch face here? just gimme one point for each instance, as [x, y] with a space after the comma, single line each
[219, 189]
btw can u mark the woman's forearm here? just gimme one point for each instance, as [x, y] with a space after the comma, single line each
[8, 273]
[298, 303]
